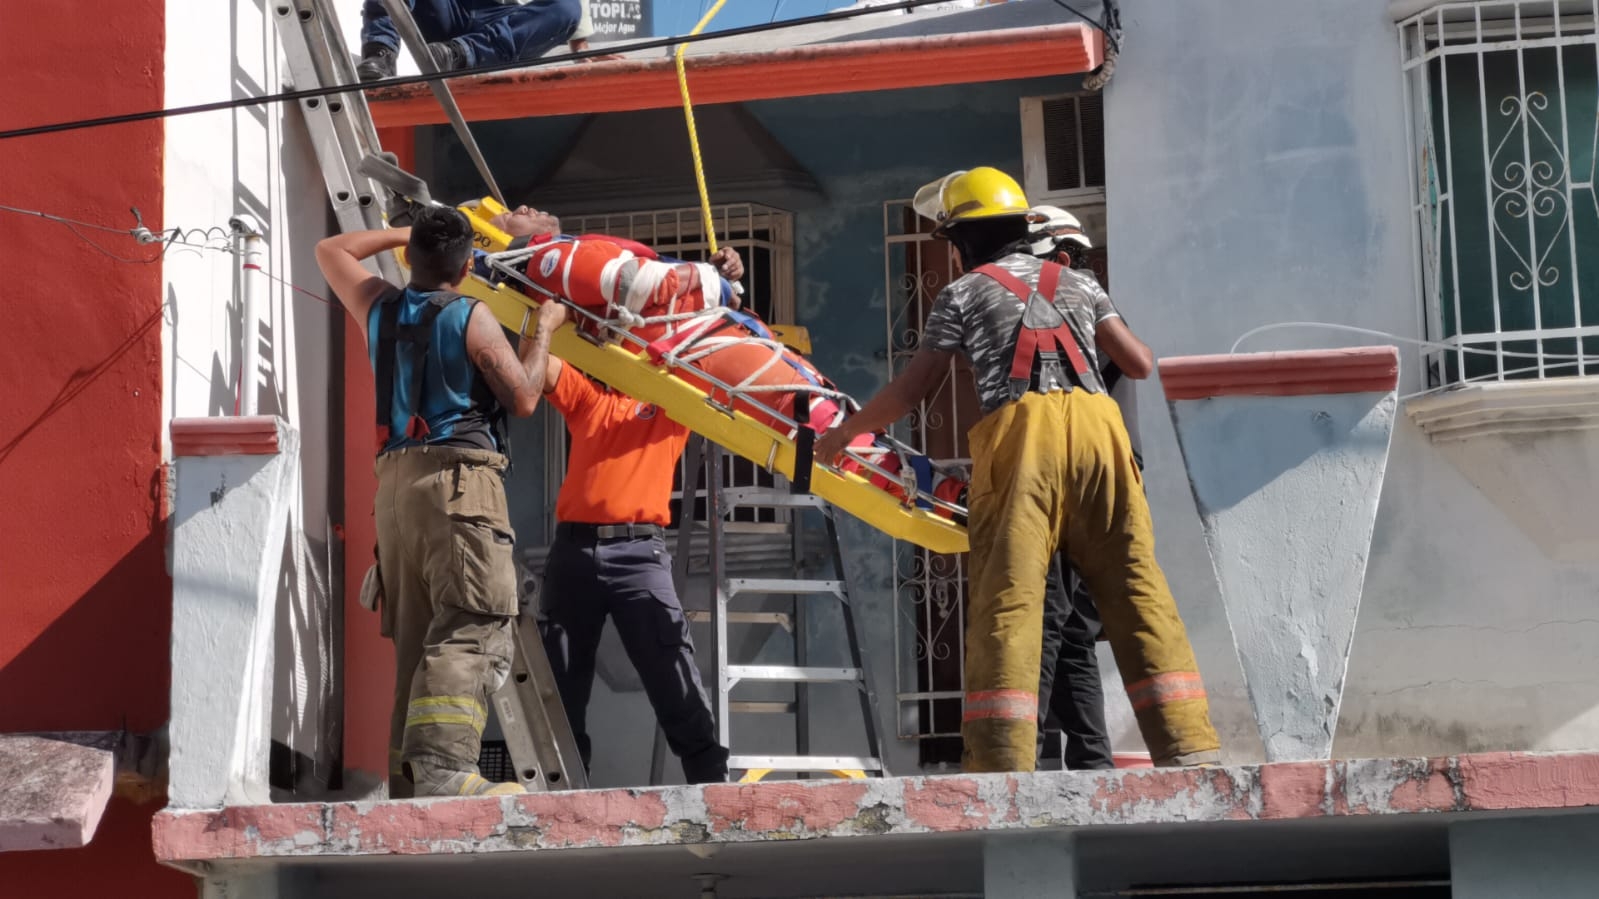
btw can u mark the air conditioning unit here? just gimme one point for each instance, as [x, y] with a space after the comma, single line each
[1063, 156]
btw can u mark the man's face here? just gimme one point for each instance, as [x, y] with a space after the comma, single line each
[525, 221]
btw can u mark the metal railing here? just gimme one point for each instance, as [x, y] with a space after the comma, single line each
[929, 588]
[1502, 97]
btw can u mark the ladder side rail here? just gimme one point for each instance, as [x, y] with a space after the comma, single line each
[343, 72]
[852, 634]
[718, 580]
[329, 122]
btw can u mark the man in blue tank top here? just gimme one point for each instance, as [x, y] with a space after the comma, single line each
[446, 377]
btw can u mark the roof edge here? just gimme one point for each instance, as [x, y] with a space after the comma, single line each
[808, 70]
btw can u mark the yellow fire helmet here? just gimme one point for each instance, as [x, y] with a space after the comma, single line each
[978, 193]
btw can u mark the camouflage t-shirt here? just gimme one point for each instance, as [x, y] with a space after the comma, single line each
[976, 316]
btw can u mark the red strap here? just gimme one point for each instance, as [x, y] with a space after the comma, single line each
[1049, 280]
[1048, 283]
[1010, 282]
[1021, 360]
[1068, 344]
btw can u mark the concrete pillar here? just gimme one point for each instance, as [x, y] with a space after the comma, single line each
[1551, 857]
[236, 480]
[1286, 454]
[1026, 866]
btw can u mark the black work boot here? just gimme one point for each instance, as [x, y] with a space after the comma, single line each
[377, 63]
[448, 56]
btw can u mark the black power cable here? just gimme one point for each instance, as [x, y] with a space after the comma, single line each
[659, 43]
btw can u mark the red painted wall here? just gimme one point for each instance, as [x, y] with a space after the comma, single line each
[368, 657]
[84, 593]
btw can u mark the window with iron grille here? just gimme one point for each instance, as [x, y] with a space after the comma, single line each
[1503, 101]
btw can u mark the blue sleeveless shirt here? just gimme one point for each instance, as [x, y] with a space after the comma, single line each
[452, 405]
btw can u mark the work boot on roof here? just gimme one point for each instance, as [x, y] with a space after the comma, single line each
[433, 781]
[377, 63]
[448, 55]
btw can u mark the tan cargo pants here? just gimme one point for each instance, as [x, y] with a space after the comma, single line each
[450, 599]
[1053, 470]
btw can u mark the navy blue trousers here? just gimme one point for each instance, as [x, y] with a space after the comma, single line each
[490, 32]
[628, 580]
[1069, 686]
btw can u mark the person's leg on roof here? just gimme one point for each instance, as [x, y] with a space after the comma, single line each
[1015, 527]
[1078, 699]
[1069, 686]
[655, 633]
[407, 608]
[380, 42]
[1112, 542]
[457, 507]
[506, 33]
[574, 610]
[443, 23]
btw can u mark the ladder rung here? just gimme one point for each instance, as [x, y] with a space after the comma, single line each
[798, 586]
[781, 619]
[753, 707]
[767, 498]
[755, 527]
[793, 674]
[804, 763]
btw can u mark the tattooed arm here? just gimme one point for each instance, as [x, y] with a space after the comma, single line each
[517, 378]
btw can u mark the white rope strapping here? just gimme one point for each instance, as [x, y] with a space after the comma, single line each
[619, 321]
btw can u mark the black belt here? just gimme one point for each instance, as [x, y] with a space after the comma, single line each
[580, 533]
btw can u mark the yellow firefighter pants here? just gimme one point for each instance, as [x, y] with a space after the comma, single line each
[1056, 470]
[449, 584]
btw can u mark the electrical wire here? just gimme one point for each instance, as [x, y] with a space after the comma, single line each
[171, 237]
[1432, 344]
[1115, 43]
[404, 80]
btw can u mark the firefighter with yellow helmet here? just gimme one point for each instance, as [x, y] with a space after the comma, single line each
[1052, 467]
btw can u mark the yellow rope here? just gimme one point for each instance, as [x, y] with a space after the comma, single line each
[693, 136]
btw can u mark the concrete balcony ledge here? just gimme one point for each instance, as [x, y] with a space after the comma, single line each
[709, 817]
[1531, 447]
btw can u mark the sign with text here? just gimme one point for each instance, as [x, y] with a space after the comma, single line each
[619, 20]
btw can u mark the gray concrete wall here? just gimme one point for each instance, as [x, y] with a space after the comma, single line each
[1256, 166]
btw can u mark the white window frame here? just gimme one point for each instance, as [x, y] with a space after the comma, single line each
[1087, 203]
[1470, 32]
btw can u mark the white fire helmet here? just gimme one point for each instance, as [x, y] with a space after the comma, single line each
[1047, 221]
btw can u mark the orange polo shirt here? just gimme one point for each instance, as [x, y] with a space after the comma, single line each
[623, 458]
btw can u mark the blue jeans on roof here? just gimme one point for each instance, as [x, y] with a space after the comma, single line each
[488, 31]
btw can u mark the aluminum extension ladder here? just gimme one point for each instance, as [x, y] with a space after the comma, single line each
[721, 504]
[528, 707]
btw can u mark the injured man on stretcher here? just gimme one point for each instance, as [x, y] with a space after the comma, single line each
[689, 313]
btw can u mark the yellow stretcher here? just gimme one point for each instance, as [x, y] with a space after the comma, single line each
[631, 371]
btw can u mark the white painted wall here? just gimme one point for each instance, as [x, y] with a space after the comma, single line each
[254, 160]
[1256, 153]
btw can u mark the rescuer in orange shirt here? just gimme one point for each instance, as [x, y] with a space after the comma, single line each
[609, 559]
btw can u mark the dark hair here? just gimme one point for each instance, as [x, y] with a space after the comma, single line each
[981, 241]
[441, 242]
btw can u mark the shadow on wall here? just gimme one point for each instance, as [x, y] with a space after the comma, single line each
[80, 381]
[103, 664]
[1265, 441]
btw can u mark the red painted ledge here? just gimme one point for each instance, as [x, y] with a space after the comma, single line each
[1354, 370]
[254, 435]
[896, 806]
[809, 70]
